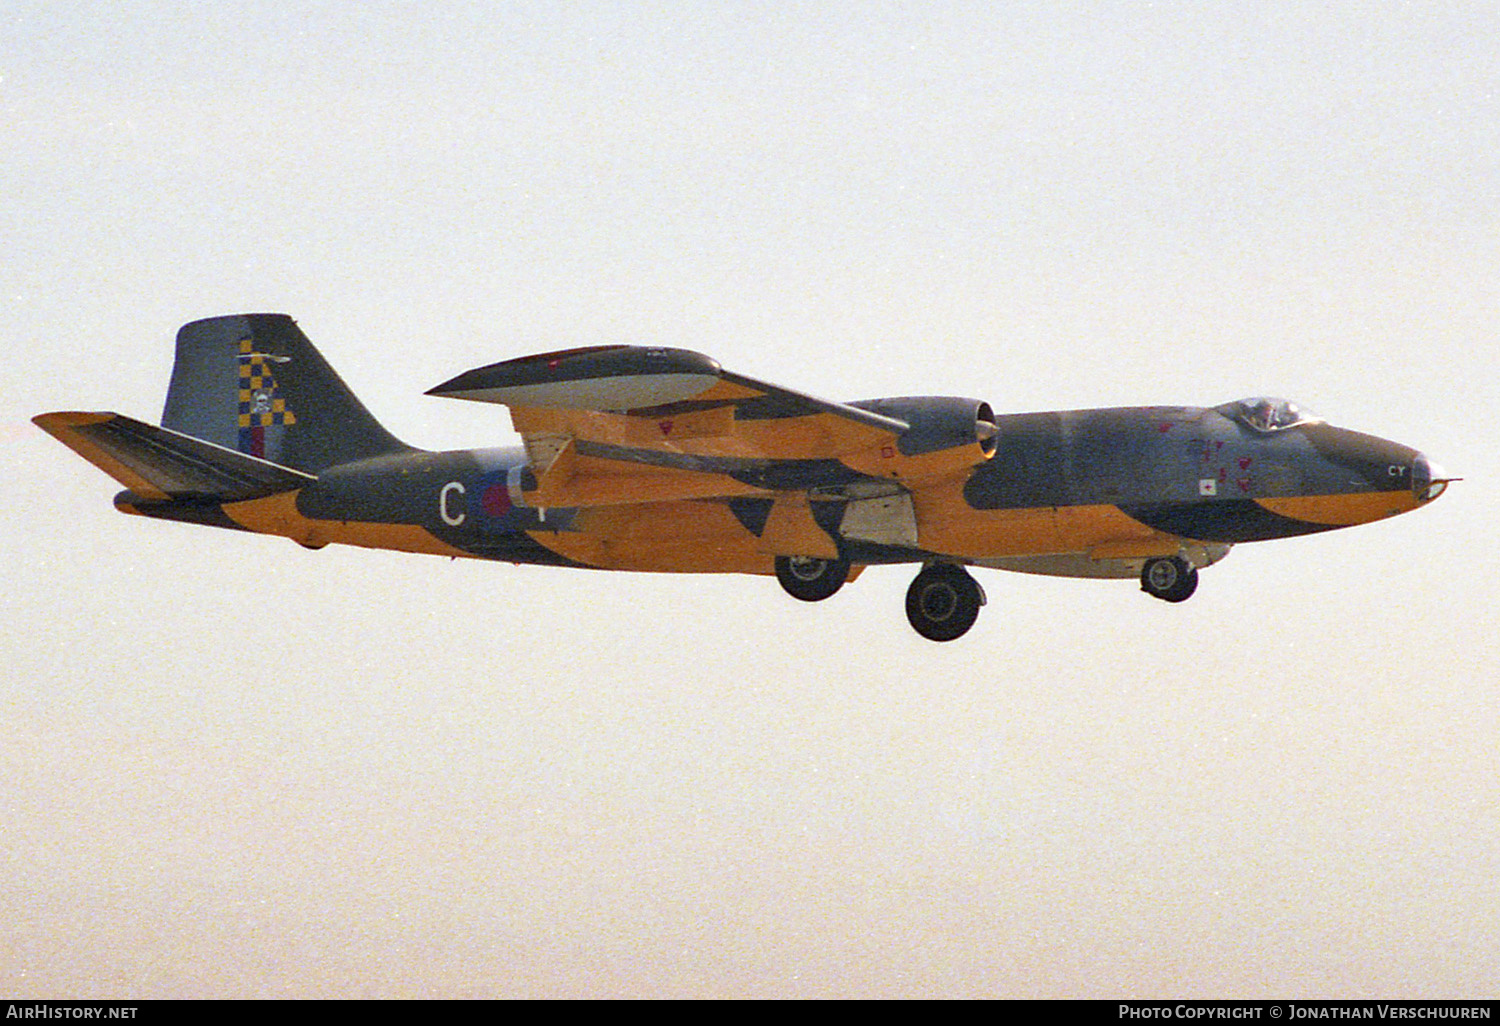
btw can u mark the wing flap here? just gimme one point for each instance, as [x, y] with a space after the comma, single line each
[158, 463]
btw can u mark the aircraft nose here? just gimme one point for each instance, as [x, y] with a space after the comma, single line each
[1428, 480]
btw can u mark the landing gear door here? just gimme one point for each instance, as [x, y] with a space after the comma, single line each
[885, 520]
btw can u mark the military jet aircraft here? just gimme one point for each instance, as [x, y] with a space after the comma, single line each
[655, 459]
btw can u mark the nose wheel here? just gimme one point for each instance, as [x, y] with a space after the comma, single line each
[809, 578]
[1171, 579]
[943, 602]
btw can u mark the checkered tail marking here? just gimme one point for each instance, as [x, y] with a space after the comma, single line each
[260, 406]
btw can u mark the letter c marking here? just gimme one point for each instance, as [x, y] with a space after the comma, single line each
[452, 520]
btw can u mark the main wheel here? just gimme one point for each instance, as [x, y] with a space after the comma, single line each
[943, 602]
[809, 578]
[1171, 579]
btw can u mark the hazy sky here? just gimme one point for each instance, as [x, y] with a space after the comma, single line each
[233, 767]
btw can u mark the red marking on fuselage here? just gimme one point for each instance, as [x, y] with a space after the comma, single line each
[888, 452]
[496, 500]
[1245, 462]
[666, 426]
[258, 441]
[1244, 484]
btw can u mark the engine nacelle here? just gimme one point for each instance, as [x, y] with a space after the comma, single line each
[946, 434]
[938, 422]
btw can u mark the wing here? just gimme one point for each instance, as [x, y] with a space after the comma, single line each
[621, 424]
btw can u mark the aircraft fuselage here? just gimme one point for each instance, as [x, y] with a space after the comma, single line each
[649, 458]
[1102, 488]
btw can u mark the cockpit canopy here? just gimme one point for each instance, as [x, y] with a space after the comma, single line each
[1268, 413]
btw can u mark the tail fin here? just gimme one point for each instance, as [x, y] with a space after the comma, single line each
[255, 384]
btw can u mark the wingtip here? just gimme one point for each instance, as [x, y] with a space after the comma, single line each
[52, 422]
[449, 388]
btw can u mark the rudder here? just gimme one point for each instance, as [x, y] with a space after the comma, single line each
[256, 384]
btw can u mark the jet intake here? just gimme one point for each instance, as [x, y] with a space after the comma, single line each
[946, 434]
[938, 422]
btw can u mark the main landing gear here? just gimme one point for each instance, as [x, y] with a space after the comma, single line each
[943, 602]
[1171, 579]
[809, 578]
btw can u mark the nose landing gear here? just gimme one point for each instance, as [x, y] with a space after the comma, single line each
[1171, 579]
[943, 602]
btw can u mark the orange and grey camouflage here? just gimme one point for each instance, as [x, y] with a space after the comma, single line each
[656, 459]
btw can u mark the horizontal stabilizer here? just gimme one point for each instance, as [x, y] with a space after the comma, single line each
[158, 463]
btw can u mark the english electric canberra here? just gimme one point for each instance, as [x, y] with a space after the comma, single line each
[653, 459]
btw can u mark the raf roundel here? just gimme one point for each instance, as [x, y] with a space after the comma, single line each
[496, 500]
